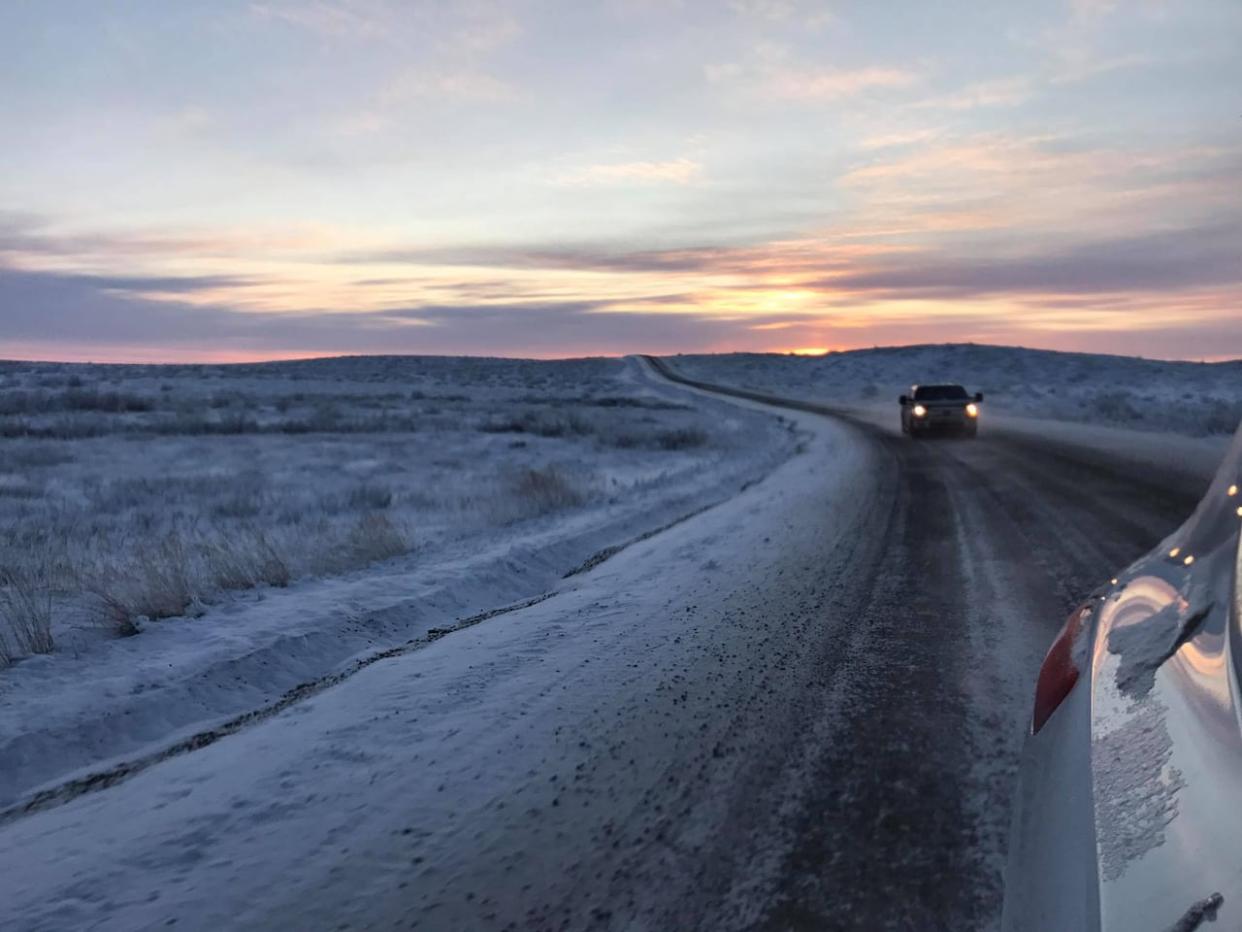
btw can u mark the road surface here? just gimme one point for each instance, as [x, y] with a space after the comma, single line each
[800, 709]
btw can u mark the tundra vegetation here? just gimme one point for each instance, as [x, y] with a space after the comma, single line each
[133, 493]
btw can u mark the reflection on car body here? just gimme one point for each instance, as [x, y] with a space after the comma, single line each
[1129, 805]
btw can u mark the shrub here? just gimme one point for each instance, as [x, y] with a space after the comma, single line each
[541, 424]
[683, 438]
[243, 503]
[37, 456]
[15, 402]
[1116, 406]
[325, 418]
[1221, 417]
[622, 401]
[370, 497]
[82, 399]
[12, 486]
[234, 422]
[375, 538]
[547, 489]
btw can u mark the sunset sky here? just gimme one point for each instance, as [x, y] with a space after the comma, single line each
[246, 180]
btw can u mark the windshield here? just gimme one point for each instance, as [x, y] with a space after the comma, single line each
[940, 393]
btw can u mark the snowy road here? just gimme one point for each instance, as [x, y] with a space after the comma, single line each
[799, 709]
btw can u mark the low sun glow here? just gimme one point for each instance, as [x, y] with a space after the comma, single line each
[415, 198]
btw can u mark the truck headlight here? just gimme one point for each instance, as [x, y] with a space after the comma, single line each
[919, 411]
[972, 410]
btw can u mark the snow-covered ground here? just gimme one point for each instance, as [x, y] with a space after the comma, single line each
[258, 527]
[1189, 398]
[480, 781]
[804, 702]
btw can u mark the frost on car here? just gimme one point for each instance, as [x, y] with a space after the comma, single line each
[1127, 812]
[940, 409]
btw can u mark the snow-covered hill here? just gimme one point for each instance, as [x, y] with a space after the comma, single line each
[1192, 398]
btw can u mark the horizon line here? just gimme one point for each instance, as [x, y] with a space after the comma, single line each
[240, 359]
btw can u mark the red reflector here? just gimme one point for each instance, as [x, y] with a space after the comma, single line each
[1058, 674]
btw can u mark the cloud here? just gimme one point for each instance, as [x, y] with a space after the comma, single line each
[1092, 9]
[350, 19]
[1080, 65]
[464, 27]
[673, 171]
[1117, 273]
[451, 43]
[1036, 187]
[782, 13]
[782, 257]
[772, 71]
[33, 237]
[898, 140]
[1083, 45]
[1174, 261]
[488, 29]
[362, 123]
[826, 84]
[1193, 257]
[160, 284]
[775, 10]
[600, 259]
[1107, 293]
[459, 84]
[1002, 92]
[58, 310]
[958, 160]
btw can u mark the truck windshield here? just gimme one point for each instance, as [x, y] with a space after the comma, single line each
[940, 393]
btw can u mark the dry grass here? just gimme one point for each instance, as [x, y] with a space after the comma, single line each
[370, 497]
[26, 598]
[167, 488]
[681, 438]
[157, 584]
[375, 538]
[548, 489]
[165, 578]
[245, 561]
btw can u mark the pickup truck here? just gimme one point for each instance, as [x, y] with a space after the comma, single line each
[940, 409]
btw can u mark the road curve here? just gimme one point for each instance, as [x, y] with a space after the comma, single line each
[989, 543]
[798, 710]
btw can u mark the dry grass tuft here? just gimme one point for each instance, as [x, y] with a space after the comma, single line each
[243, 561]
[547, 489]
[25, 610]
[157, 584]
[375, 538]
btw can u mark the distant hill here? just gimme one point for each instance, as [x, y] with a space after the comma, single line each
[1183, 397]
